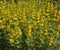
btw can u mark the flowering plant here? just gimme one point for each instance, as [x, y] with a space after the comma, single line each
[30, 25]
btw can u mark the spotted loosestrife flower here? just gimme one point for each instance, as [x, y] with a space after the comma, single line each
[11, 40]
[30, 19]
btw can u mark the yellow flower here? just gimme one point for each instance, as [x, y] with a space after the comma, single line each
[59, 12]
[49, 44]
[56, 33]
[4, 0]
[15, 23]
[42, 20]
[15, 18]
[1, 21]
[41, 24]
[12, 1]
[48, 18]
[38, 16]
[47, 14]
[12, 31]
[28, 30]
[40, 10]
[50, 38]
[8, 28]
[49, 4]
[12, 36]
[54, 19]
[46, 31]
[10, 20]
[11, 40]
[55, 12]
[48, 10]
[2, 26]
[29, 34]
[17, 30]
[52, 5]
[58, 27]
[50, 41]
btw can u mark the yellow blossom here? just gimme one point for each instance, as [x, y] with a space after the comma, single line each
[41, 24]
[46, 31]
[1, 21]
[8, 28]
[57, 33]
[51, 38]
[49, 4]
[4, 0]
[2, 26]
[11, 40]
[49, 44]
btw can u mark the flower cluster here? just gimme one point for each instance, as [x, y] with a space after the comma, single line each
[40, 23]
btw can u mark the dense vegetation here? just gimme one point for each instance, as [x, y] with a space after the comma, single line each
[29, 25]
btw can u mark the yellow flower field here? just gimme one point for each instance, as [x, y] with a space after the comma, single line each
[29, 25]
